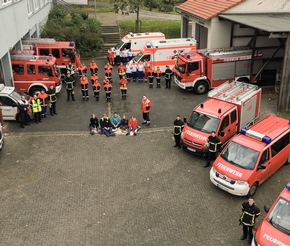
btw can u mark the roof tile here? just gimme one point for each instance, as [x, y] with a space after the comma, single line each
[207, 9]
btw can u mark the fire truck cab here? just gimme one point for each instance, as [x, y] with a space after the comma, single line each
[253, 156]
[136, 41]
[205, 69]
[31, 73]
[162, 53]
[63, 51]
[275, 227]
[228, 108]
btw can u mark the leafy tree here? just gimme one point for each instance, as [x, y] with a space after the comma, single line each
[66, 23]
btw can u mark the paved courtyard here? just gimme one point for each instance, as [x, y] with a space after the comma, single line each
[61, 186]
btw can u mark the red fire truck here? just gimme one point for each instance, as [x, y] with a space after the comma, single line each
[205, 69]
[228, 108]
[64, 51]
[34, 73]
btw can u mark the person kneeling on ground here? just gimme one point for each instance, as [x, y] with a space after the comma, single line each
[115, 120]
[133, 126]
[106, 126]
[94, 124]
[124, 125]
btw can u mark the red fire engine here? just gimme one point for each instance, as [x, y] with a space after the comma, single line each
[205, 69]
[63, 51]
[34, 73]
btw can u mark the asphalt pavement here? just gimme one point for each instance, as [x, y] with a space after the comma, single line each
[59, 185]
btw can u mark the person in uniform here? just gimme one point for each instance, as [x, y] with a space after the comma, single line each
[52, 100]
[158, 77]
[178, 126]
[23, 112]
[82, 69]
[140, 68]
[108, 90]
[128, 72]
[70, 68]
[84, 87]
[44, 102]
[146, 106]
[150, 75]
[94, 77]
[96, 89]
[168, 74]
[249, 214]
[69, 85]
[106, 126]
[93, 67]
[121, 70]
[214, 144]
[134, 69]
[36, 109]
[123, 87]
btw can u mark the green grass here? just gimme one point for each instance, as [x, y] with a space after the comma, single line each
[171, 29]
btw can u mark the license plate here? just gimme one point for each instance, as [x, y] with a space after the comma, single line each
[191, 149]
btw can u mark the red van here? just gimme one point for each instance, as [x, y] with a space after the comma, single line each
[275, 228]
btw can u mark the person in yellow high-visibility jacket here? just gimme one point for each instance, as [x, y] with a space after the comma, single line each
[36, 108]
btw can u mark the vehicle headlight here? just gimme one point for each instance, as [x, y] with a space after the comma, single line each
[239, 182]
[182, 134]
[213, 169]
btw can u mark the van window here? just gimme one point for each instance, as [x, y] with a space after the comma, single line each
[264, 157]
[127, 46]
[280, 144]
[18, 69]
[44, 52]
[225, 123]
[55, 53]
[145, 58]
[233, 116]
[31, 69]
[192, 66]
[46, 71]
[6, 101]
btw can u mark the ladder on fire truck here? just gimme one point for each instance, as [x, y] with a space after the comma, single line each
[27, 57]
[233, 92]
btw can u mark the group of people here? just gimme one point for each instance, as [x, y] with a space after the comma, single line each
[109, 126]
[38, 105]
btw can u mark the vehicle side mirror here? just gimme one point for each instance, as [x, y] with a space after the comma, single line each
[261, 166]
[222, 133]
[266, 208]
[184, 120]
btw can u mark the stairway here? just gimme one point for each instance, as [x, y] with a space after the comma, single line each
[111, 37]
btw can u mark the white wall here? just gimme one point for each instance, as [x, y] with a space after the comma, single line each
[219, 34]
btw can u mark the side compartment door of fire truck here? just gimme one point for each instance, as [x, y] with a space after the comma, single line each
[20, 75]
[228, 126]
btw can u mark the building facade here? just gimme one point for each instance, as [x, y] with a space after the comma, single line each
[19, 19]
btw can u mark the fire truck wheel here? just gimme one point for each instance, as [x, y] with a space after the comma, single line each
[35, 89]
[201, 87]
[253, 189]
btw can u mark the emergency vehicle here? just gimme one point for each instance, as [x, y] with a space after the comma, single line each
[205, 69]
[32, 73]
[9, 98]
[228, 108]
[275, 227]
[136, 41]
[253, 156]
[159, 53]
[64, 51]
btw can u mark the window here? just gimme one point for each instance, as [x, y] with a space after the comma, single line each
[233, 116]
[280, 144]
[6, 101]
[36, 4]
[30, 6]
[55, 53]
[192, 67]
[18, 69]
[264, 157]
[145, 58]
[31, 69]
[46, 71]
[225, 123]
[41, 3]
[4, 2]
[44, 52]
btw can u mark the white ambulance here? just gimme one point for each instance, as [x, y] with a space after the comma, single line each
[136, 41]
[162, 53]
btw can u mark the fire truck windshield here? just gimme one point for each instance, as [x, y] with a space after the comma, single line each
[280, 216]
[180, 65]
[202, 122]
[240, 155]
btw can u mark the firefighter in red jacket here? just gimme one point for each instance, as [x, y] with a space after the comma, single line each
[123, 87]
[44, 102]
[96, 88]
[146, 106]
[85, 87]
[150, 74]
[94, 67]
[94, 77]
[158, 77]
[108, 90]
[133, 126]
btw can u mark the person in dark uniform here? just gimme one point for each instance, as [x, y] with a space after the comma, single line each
[52, 100]
[178, 126]
[69, 85]
[214, 145]
[248, 218]
[23, 109]
[168, 74]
